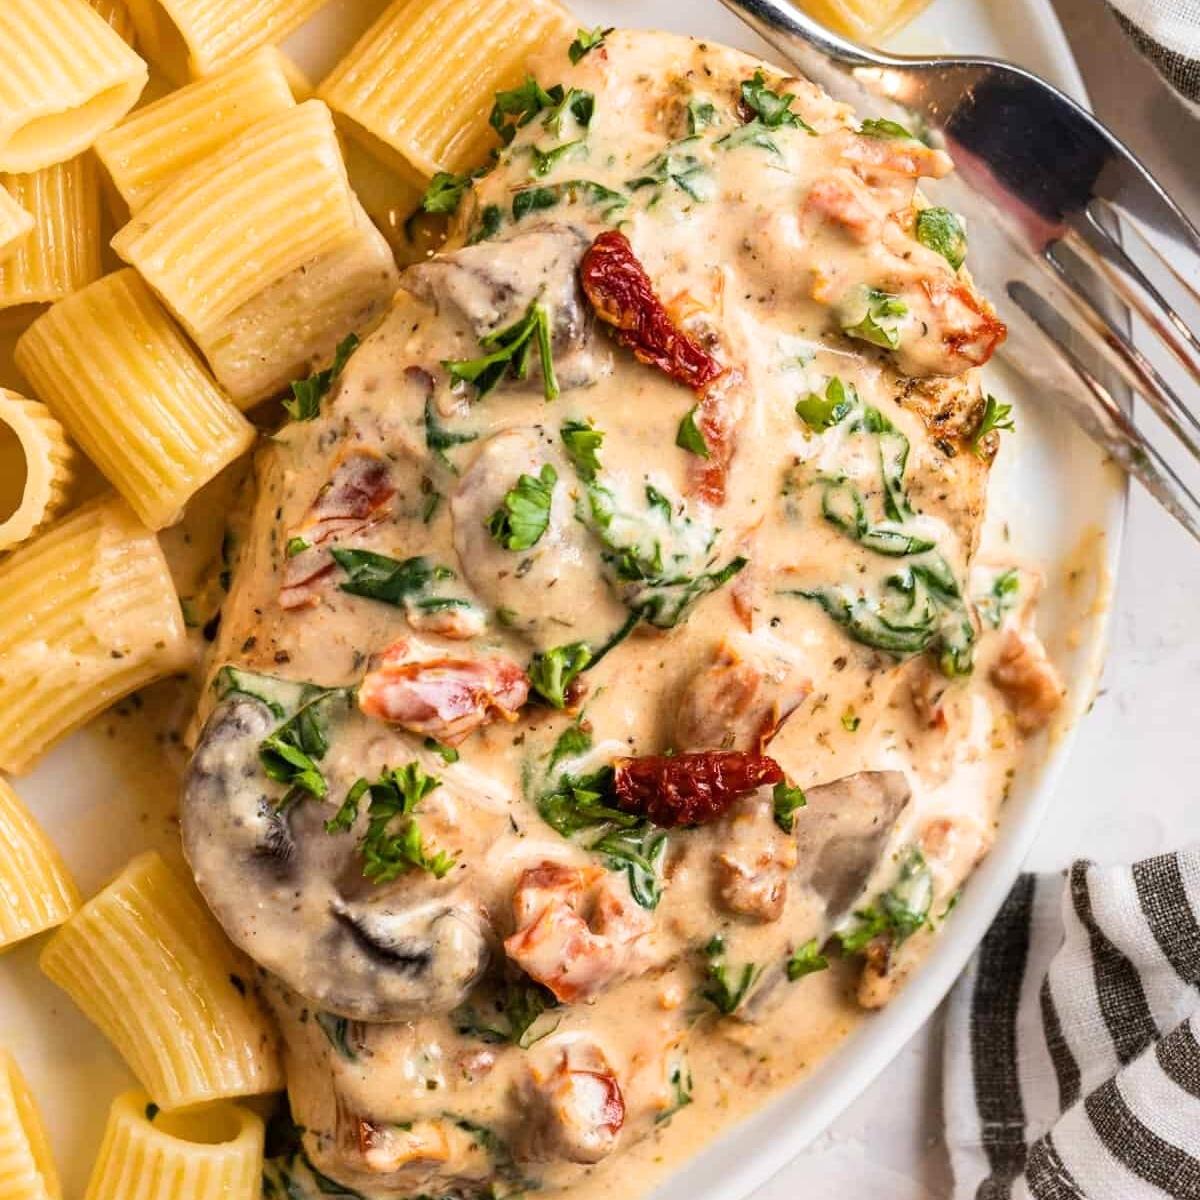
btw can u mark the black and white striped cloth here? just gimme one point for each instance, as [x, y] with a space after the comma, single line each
[1073, 1041]
[1167, 32]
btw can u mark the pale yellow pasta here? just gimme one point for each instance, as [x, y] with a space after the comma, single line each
[88, 614]
[235, 223]
[50, 466]
[117, 15]
[153, 145]
[190, 38]
[36, 889]
[297, 322]
[867, 20]
[62, 253]
[27, 1170]
[214, 1154]
[66, 77]
[147, 963]
[421, 81]
[117, 372]
[16, 223]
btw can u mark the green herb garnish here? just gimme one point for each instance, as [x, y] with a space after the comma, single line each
[880, 127]
[898, 913]
[508, 353]
[335, 1029]
[996, 416]
[290, 754]
[873, 316]
[772, 109]
[843, 506]
[689, 436]
[677, 168]
[447, 754]
[639, 851]
[445, 192]
[524, 514]
[942, 231]
[343, 820]
[439, 439]
[307, 394]
[681, 1082]
[587, 41]
[700, 115]
[787, 801]
[515, 108]
[806, 960]
[389, 851]
[824, 411]
[490, 219]
[725, 988]
[552, 671]
[1001, 598]
[295, 545]
[571, 743]
[582, 441]
[391, 580]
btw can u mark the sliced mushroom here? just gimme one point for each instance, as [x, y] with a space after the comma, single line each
[273, 879]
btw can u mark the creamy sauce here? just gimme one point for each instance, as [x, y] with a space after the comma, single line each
[761, 239]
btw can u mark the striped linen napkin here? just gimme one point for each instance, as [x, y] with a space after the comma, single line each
[1073, 1040]
[1167, 32]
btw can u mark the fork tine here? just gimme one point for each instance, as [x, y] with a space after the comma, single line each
[1134, 368]
[1105, 419]
[1097, 247]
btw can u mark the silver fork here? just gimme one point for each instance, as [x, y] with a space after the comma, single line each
[1041, 185]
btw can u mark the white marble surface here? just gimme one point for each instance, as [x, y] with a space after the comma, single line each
[1132, 786]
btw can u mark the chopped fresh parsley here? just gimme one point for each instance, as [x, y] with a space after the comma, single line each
[943, 232]
[343, 820]
[726, 988]
[873, 316]
[295, 545]
[537, 198]
[676, 168]
[996, 416]
[824, 411]
[524, 514]
[445, 192]
[770, 108]
[581, 104]
[515, 108]
[583, 441]
[787, 801]
[290, 754]
[508, 352]
[447, 754]
[689, 436]
[439, 439]
[307, 394]
[681, 1083]
[553, 671]
[587, 41]
[806, 960]
[880, 127]
[639, 851]
[388, 851]
[898, 913]
[544, 161]
[391, 580]
[1001, 598]
[335, 1029]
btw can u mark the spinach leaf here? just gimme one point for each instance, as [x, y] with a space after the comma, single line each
[898, 913]
[824, 411]
[942, 231]
[439, 439]
[393, 581]
[639, 851]
[445, 192]
[552, 671]
[880, 127]
[335, 1029]
[1001, 598]
[582, 441]
[805, 960]
[726, 988]
[508, 352]
[873, 316]
[690, 437]
[787, 802]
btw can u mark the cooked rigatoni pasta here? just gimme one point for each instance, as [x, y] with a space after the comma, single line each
[235, 223]
[153, 145]
[118, 373]
[147, 963]
[36, 889]
[197, 37]
[117, 15]
[67, 78]
[214, 1154]
[27, 1170]
[16, 223]
[88, 614]
[421, 81]
[62, 253]
[50, 464]
[297, 322]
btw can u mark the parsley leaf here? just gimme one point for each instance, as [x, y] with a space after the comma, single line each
[378, 577]
[996, 416]
[516, 107]
[447, 754]
[552, 671]
[537, 198]
[587, 41]
[295, 545]
[290, 754]
[343, 820]
[524, 515]
[773, 110]
[307, 394]
[943, 232]
[823, 412]
[726, 989]
[509, 351]
[689, 437]
[387, 854]
[583, 441]
[439, 439]
[787, 802]
[544, 161]
[880, 127]
[805, 960]
[580, 103]
[873, 316]
[445, 192]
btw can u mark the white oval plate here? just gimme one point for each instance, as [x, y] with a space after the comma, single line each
[104, 798]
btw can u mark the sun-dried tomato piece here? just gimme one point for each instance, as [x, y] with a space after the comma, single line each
[621, 293]
[690, 789]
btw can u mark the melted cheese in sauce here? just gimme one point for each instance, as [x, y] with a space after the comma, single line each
[759, 240]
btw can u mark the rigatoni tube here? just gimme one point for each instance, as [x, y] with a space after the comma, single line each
[67, 78]
[50, 464]
[27, 1170]
[147, 963]
[118, 373]
[88, 614]
[16, 223]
